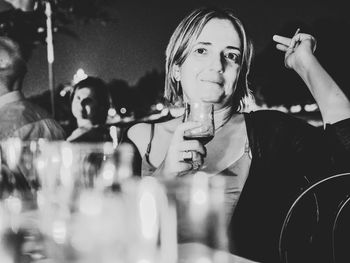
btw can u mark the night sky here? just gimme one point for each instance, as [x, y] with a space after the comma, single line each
[136, 43]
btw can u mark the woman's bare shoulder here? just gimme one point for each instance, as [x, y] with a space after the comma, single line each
[169, 126]
[140, 134]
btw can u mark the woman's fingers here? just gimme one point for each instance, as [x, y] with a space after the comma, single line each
[191, 160]
[192, 145]
[185, 166]
[181, 152]
[281, 47]
[190, 156]
[286, 41]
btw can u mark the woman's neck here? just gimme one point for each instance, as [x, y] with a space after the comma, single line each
[221, 116]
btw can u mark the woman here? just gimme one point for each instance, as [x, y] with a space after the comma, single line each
[90, 104]
[266, 156]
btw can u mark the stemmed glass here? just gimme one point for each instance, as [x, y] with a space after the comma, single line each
[203, 113]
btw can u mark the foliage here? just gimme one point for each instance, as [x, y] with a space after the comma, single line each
[138, 99]
[87, 10]
[29, 28]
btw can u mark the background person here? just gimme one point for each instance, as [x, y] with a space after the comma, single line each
[265, 156]
[89, 105]
[19, 117]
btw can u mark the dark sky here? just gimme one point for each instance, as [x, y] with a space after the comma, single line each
[136, 43]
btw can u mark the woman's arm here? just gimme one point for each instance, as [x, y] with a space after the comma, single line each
[331, 100]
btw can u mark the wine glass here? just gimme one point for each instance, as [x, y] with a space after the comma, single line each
[203, 113]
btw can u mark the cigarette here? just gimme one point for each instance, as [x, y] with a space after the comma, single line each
[296, 32]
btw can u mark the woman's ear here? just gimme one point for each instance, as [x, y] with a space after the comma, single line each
[176, 73]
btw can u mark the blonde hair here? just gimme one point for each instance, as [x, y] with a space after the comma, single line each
[181, 43]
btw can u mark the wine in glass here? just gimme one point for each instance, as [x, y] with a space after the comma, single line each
[204, 114]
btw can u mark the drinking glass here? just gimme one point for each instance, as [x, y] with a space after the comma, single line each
[79, 206]
[201, 227]
[92, 209]
[203, 113]
[58, 200]
[79, 203]
[20, 233]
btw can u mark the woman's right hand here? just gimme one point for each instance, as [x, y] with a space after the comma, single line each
[175, 162]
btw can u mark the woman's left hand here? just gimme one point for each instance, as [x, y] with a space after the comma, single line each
[297, 49]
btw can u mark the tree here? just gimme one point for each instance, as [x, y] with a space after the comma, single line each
[151, 87]
[139, 99]
[26, 22]
[123, 96]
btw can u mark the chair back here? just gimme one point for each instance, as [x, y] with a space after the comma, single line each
[317, 226]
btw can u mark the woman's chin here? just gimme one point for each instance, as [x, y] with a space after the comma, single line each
[215, 99]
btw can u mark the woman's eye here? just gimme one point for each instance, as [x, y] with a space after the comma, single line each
[200, 51]
[232, 56]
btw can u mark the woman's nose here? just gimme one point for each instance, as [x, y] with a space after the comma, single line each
[217, 63]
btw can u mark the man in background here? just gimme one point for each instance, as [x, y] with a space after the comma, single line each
[18, 116]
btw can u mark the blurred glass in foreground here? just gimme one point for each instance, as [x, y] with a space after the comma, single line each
[71, 202]
[201, 224]
[82, 203]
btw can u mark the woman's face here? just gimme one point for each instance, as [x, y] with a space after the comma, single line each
[84, 104]
[210, 72]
